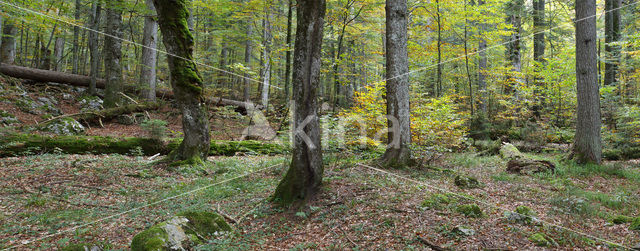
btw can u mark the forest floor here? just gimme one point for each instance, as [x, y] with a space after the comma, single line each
[358, 208]
[53, 200]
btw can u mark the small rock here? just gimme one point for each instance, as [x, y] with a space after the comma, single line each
[470, 210]
[465, 182]
[522, 215]
[90, 103]
[464, 230]
[126, 119]
[83, 247]
[510, 152]
[49, 101]
[67, 96]
[64, 126]
[529, 166]
[181, 232]
[8, 118]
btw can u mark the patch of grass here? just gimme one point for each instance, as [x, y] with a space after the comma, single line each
[572, 169]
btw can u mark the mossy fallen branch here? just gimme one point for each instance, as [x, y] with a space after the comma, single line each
[29, 144]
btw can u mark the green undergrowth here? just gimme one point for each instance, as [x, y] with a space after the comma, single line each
[103, 185]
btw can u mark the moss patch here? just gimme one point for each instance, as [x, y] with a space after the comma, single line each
[470, 210]
[621, 219]
[466, 182]
[635, 224]
[539, 239]
[153, 238]
[23, 144]
[205, 223]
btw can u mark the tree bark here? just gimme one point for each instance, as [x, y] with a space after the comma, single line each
[398, 151]
[149, 54]
[113, 54]
[588, 145]
[247, 62]
[185, 80]
[76, 33]
[8, 46]
[482, 68]
[266, 60]
[93, 45]
[612, 35]
[58, 53]
[514, 12]
[538, 27]
[304, 177]
[287, 71]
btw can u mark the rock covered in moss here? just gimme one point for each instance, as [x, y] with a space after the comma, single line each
[470, 210]
[90, 103]
[510, 152]
[540, 240]
[466, 182]
[64, 126]
[8, 118]
[436, 201]
[522, 215]
[181, 232]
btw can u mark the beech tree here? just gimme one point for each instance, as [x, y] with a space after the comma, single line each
[8, 43]
[113, 54]
[149, 54]
[398, 152]
[612, 35]
[588, 145]
[304, 177]
[186, 82]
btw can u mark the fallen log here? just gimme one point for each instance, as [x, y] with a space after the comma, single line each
[14, 144]
[83, 81]
[93, 117]
[529, 166]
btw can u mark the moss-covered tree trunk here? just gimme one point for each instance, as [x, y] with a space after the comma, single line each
[185, 81]
[304, 177]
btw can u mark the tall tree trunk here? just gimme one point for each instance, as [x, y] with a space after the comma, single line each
[304, 177]
[539, 24]
[482, 68]
[247, 62]
[612, 35]
[185, 80]
[266, 60]
[466, 57]
[287, 71]
[222, 64]
[438, 85]
[514, 12]
[113, 54]
[93, 45]
[588, 145]
[76, 33]
[8, 46]
[58, 53]
[398, 151]
[149, 54]
[336, 69]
